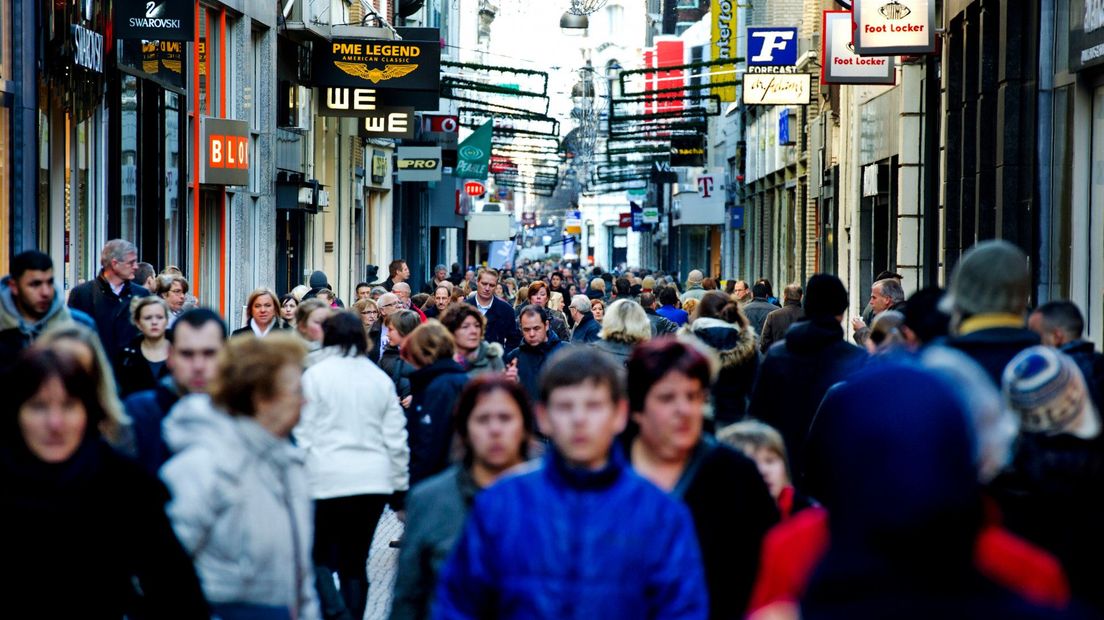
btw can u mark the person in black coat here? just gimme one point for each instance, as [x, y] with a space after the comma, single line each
[720, 325]
[586, 328]
[501, 323]
[106, 298]
[668, 383]
[435, 385]
[1060, 324]
[143, 363]
[399, 326]
[795, 375]
[83, 528]
[540, 342]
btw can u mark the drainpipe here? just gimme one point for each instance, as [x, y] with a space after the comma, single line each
[1045, 118]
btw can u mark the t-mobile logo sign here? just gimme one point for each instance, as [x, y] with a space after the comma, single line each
[772, 47]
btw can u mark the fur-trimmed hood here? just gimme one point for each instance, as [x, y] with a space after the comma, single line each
[733, 345]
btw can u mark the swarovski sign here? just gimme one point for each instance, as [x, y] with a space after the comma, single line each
[154, 20]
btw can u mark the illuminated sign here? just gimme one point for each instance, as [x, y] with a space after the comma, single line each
[154, 20]
[891, 27]
[474, 188]
[378, 63]
[88, 49]
[225, 152]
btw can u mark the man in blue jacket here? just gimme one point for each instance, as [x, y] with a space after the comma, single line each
[525, 362]
[580, 536]
[501, 322]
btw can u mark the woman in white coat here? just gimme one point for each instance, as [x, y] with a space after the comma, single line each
[353, 430]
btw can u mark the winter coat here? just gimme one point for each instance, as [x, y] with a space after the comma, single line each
[429, 418]
[110, 311]
[501, 323]
[661, 326]
[557, 322]
[692, 292]
[586, 331]
[147, 410]
[1091, 363]
[375, 335]
[794, 377]
[133, 372]
[241, 507]
[678, 316]
[756, 312]
[619, 351]
[352, 430]
[994, 347]
[735, 347]
[487, 358]
[530, 361]
[277, 325]
[435, 513]
[558, 542]
[778, 323]
[16, 333]
[396, 369]
[88, 538]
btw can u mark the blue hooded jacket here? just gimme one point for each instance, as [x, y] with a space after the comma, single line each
[563, 543]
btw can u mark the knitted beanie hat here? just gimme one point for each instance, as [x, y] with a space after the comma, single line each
[992, 277]
[1046, 388]
[825, 296]
[318, 279]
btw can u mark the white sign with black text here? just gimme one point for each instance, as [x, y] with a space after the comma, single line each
[777, 88]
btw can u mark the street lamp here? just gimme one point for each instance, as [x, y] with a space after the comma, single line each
[574, 24]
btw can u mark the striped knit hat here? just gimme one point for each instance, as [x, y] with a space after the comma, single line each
[1046, 388]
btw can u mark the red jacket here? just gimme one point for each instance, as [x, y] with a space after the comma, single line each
[793, 549]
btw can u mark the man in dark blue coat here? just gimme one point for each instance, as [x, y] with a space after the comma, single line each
[586, 328]
[526, 361]
[580, 536]
[501, 322]
[106, 298]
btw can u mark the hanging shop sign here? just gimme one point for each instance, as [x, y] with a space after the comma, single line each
[841, 65]
[225, 152]
[688, 151]
[474, 154]
[771, 47]
[154, 20]
[474, 188]
[88, 49]
[378, 63]
[395, 123]
[889, 28]
[736, 217]
[419, 163]
[650, 215]
[379, 166]
[777, 88]
[1086, 36]
[706, 205]
[723, 43]
[624, 220]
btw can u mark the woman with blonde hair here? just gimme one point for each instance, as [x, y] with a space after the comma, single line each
[174, 290]
[141, 364]
[625, 326]
[368, 312]
[435, 385]
[261, 311]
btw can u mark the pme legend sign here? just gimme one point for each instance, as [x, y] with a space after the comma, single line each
[225, 152]
[379, 64]
[893, 27]
[841, 65]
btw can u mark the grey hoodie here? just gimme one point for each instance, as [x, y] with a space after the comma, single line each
[240, 507]
[10, 318]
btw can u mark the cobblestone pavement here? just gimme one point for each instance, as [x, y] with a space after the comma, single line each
[382, 562]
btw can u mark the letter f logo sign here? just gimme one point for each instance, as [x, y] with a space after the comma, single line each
[773, 40]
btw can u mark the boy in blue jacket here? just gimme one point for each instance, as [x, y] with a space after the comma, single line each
[581, 535]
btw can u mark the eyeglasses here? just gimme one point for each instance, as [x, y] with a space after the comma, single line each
[370, 312]
[390, 305]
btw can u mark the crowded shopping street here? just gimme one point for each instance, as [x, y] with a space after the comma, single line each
[552, 309]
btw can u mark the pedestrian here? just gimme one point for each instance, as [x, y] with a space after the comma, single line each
[106, 298]
[668, 383]
[397, 271]
[596, 289]
[1053, 492]
[260, 309]
[241, 504]
[622, 289]
[29, 304]
[141, 364]
[580, 536]
[626, 326]
[368, 312]
[987, 301]
[319, 282]
[440, 276]
[494, 422]
[694, 289]
[691, 307]
[435, 384]
[174, 290]
[925, 323]
[778, 322]
[84, 526]
[669, 306]
[765, 446]
[363, 290]
[885, 336]
[586, 328]
[442, 297]
[474, 353]
[399, 326]
[501, 321]
[327, 296]
[402, 289]
[721, 326]
[793, 378]
[538, 344]
[598, 309]
[288, 305]
[377, 291]
[741, 291]
[539, 296]
[353, 435]
[661, 326]
[194, 343]
[308, 323]
[556, 283]
[759, 307]
[885, 295]
[456, 275]
[388, 304]
[1061, 325]
[146, 276]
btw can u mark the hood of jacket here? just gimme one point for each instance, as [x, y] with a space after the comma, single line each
[196, 421]
[421, 378]
[11, 318]
[485, 354]
[813, 335]
[732, 344]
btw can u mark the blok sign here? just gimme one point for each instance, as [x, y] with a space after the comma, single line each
[841, 65]
[889, 28]
[225, 152]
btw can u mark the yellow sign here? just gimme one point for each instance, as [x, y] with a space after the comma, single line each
[375, 75]
[723, 15]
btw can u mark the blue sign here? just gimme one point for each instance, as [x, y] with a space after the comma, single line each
[772, 47]
[736, 217]
[503, 192]
[638, 224]
[784, 127]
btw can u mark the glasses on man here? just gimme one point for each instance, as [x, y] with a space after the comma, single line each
[390, 305]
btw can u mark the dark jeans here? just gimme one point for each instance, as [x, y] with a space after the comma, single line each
[343, 532]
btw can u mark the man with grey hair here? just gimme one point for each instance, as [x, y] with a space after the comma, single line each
[586, 328]
[106, 298]
[402, 289]
[885, 294]
[388, 304]
[694, 288]
[440, 276]
[779, 321]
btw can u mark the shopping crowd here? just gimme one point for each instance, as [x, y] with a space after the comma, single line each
[559, 443]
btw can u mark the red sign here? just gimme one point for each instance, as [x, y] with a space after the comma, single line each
[474, 188]
[624, 220]
[440, 123]
[500, 164]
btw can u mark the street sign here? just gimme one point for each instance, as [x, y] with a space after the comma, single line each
[777, 88]
[624, 220]
[772, 47]
[888, 28]
[724, 20]
[225, 151]
[378, 63]
[736, 217]
[419, 163]
[503, 193]
[651, 215]
[841, 64]
[474, 188]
